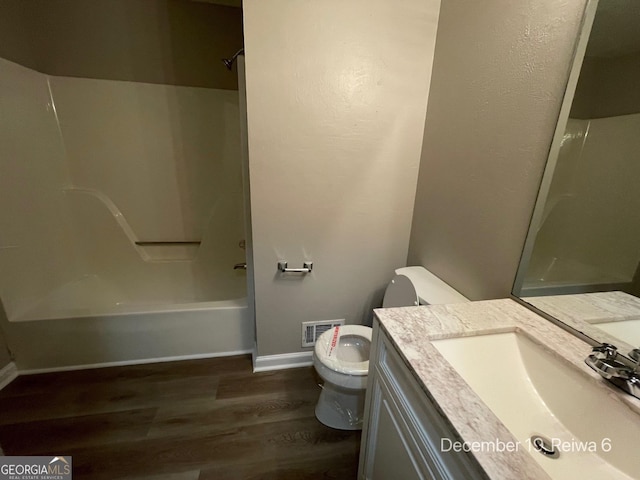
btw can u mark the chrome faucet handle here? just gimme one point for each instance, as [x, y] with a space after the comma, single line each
[604, 360]
[610, 351]
[619, 370]
[635, 356]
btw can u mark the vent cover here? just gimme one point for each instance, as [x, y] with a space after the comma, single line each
[312, 330]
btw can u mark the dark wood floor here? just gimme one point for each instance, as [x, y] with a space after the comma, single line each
[204, 419]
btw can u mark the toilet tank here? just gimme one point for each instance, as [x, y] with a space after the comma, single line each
[418, 286]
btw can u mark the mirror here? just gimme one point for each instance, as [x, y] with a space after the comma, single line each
[581, 260]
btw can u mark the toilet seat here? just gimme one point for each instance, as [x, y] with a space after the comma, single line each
[328, 352]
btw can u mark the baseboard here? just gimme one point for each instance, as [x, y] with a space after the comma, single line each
[124, 363]
[266, 363]
[8, 374]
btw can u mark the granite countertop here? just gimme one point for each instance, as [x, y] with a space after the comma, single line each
[411, 330]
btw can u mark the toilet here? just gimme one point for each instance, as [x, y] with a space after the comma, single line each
[341, 354]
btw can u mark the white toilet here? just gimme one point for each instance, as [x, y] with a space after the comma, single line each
[341, 355]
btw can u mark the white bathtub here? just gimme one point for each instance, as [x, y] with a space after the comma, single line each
[141, 335]
[131, 308]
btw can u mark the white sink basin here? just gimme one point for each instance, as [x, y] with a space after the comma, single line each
[533, 391]
[627, 330]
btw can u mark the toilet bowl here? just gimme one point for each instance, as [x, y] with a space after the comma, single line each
[341, 358]
[341, 354]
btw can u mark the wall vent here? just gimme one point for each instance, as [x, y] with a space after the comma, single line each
[312, 330]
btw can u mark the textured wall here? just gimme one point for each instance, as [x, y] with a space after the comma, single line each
[336, 98]
[500, 71]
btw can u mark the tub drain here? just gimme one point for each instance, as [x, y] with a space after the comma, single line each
[544, 446]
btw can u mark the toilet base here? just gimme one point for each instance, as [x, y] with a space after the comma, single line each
[340, 408]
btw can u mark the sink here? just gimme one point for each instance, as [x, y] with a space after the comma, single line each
[629, 330]
[534, 392]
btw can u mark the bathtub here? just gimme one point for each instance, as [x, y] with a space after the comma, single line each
[142, 334]
[120, 303]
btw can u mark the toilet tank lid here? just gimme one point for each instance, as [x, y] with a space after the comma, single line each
[431, 290]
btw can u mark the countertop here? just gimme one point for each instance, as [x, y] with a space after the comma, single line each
[411, 330]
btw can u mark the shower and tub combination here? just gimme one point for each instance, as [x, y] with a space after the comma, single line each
[121, 220]
[583, 239]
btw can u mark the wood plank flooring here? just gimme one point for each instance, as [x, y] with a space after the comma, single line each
[193, 420]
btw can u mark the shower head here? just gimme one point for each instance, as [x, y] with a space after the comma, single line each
[229, 61]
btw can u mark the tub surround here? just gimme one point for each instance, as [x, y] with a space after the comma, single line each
[411, 331]
[100, 290]
[585, 311]
[86, 187]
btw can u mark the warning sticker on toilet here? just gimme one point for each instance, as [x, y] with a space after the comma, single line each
[335, 338]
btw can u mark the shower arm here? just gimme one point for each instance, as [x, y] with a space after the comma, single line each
[229, 61]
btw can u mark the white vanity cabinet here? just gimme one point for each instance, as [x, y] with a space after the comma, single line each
[402, 429]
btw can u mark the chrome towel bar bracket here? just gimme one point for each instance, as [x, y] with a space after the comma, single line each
[306, 268]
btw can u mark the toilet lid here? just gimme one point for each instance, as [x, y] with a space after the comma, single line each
[400, 293]
[328, 346]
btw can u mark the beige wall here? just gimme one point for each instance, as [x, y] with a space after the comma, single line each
[500, 71]
[16, 40]
[336, 98]
[5, 356]
[608, 87]
[176, 42]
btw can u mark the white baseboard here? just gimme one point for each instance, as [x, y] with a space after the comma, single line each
[265, 363]
[142, 361]
[8, 374]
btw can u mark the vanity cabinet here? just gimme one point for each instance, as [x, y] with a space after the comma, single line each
[402, 428]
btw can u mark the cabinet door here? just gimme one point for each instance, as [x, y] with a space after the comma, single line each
[389, 455]
[403, 430]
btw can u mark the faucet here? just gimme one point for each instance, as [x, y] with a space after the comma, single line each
[623, 372]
